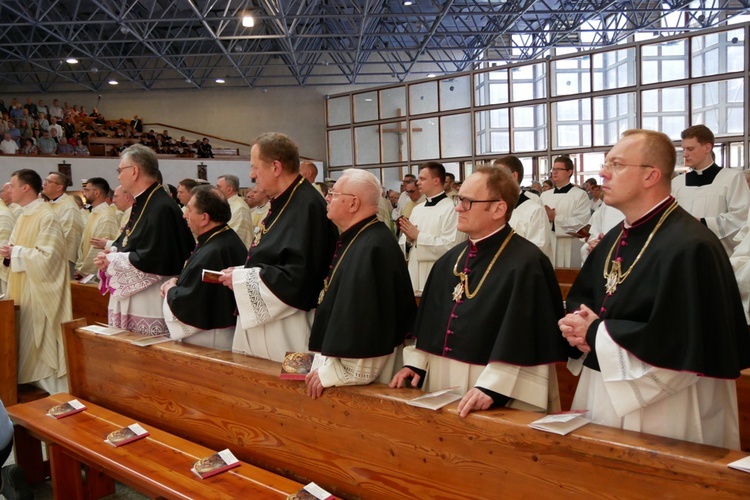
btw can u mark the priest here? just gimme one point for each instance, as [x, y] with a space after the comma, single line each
[278, 287]
[367, 303]
[197, 310]
[152, 248]
[487, 321]
[101, 224]
[656, 310]
[67, 211]
[7, 221]
[241, 221]
[38, 282]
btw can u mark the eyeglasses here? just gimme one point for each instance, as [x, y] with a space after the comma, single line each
[411, 192]
[466, 203]
[120, 169]
[558, 169]
[333, 194]
[48, 181]
[616, 167]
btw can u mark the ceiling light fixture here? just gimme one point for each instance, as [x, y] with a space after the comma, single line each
[248, 21]
[408, 2]
[220, 80]
[71, 60]
[113, 82]
[431, 75]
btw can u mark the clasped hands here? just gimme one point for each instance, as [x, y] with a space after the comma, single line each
[575, 325]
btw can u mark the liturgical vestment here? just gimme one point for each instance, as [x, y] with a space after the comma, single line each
[366, 310]
[7, 221]
[283, 275]
[39, 283]
[242, 220]
[505, 338]
[101, 223]
[671, 335]
[572, 212]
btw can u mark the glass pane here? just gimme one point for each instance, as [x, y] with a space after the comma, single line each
[492, 131]
[572, 121]
[614, 69]
[339, 111]
[455, 135]
[719, 106]
[662, 62]
[367, 141]
[613, 115]
[491, 87]
[392, 178]
[717, 53]
[665, 110]
[530, 128]
[394, 141]
[571, 76]
[425, 140]
[340, 148]
[366, 107]
[393, 102]
[423, 98]
[455, 93]
[528, 82]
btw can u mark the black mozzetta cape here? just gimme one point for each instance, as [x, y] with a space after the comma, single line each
[161, 239]
[512, 319]
[679, 308]
[293, 256]
[208, 305]
[369, 305]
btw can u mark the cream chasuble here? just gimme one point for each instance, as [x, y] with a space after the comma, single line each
[241, 220]
[38, 282]
[72, 224]
[7, 221]
[101, 223]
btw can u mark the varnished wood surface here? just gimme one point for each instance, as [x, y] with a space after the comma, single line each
[366, 442]
[565, 278]
[157, 465]
[8, 353]
[88, 302]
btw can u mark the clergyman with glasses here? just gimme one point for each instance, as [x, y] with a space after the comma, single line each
[487, 321]
[656, 310]
[568, 210]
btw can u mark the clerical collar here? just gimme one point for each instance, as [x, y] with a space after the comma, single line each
[650, 214]
[564, 189]
[207, 235]
[483, 238]
[56, 199]
[432, 201]
[148, 189]
[702, 177]
[521, 198]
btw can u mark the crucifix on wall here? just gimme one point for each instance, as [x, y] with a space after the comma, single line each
[400, 131]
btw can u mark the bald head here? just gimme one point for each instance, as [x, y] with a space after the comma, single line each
[122, 200]
[354, 197]
[309, 171]
[6, 193]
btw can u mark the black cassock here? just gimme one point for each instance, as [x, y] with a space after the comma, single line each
[160, 240]
[679, 308]
[294, 254]
[369, 306]
[208, 305]
[512, 319]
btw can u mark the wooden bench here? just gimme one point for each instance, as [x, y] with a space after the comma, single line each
[158, 465]
[225, 151]
[365, 442]
[88, 302]
[8, 353]
[104, 146]
[565, 277]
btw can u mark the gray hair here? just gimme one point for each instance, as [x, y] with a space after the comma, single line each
[367, 185]
[145, 158]
[232, 181]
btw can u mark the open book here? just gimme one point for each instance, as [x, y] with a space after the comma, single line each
[126, 435]
[66, 409]
[103, 329]
[561, 423]
[297, 365]
[147, 340]
[742, 464]
[214, 464]
[435, 400]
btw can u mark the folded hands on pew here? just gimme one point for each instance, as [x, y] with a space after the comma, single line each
[575, 325]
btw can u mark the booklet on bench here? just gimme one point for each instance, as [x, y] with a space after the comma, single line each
[148, 340]
[297, 365]
[435, 400]
[126, 435]
[66, 409]
[561, 423]
[214, 464]
[311, 491]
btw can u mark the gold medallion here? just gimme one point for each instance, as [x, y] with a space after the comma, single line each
[257, 237]
[613, 278]
[323, 291]
[458, 291]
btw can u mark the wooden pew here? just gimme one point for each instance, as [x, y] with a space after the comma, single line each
[225, 151]
[88, 302]
[365, 442]
[8, 353]
[566, 277]
[158, 465]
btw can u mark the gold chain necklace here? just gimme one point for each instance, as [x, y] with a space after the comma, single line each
[225, 228]
[263, 229]
[327, 281]
[615, 276]
[128, 232]
[463, 279]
